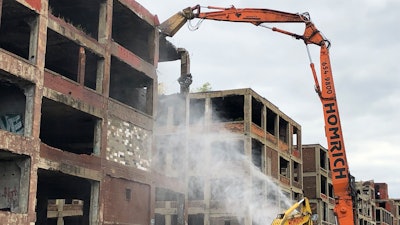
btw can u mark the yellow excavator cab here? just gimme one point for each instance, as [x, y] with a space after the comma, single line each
[298, 214]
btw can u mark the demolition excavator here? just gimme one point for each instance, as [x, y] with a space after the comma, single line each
[342, 181]
[299, 213]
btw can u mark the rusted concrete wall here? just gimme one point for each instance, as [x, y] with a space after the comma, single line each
[115, 175]
[126, 202]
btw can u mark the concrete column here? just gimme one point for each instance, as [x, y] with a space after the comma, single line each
[33, 40]
[181, 212]
[104, 37]
[81, 66]
[60, 208]
[247, 114]
[185, 80]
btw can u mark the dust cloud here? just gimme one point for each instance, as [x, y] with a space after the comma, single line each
[215, 166]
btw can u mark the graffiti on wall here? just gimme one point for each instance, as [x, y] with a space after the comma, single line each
[9, 186]
[9, 197]
[12, 123]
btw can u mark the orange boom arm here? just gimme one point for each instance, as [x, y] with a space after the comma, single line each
[341, 178]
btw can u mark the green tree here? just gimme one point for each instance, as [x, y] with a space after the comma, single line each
[205, 87]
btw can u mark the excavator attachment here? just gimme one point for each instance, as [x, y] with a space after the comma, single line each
[175, 22]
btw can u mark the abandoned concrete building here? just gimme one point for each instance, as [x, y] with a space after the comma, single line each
[373, 205]
[77, 103]
[317, 182]
[387, 211]
[196, 125]
[79, 143]
[366, 208]
[216, 132]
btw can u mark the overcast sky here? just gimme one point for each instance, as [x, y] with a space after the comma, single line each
[365, 54]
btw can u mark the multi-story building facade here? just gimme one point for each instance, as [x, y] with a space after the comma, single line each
[386, 210]
[239, 147]
[77, 89]
[78, 103]
[395, 206]
[372, 206]
[317, 182]
[365, 212]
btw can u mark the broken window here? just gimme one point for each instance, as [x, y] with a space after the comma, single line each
[83, 15]
[14, 185]
[322, 159]
[13, 106]
[92, 72]
[76, 198]
[323, 185]
[284, 167]
[131, 32]
[325, 211]
[65, 64]
[174, 219]
[67, 128]
[378, 213]
[77, 63]
[296, 171]
[256, 153]
[256, 112]
[296, 196]
[18, 27]
[196, 188]
[296, 138]
[197, 110]
[271, 121]
[196, 219]
[330, 190]
[228, 108]
[159, 219]
[130, 86]
[283, 130]
[226, 220]
[171, 110]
